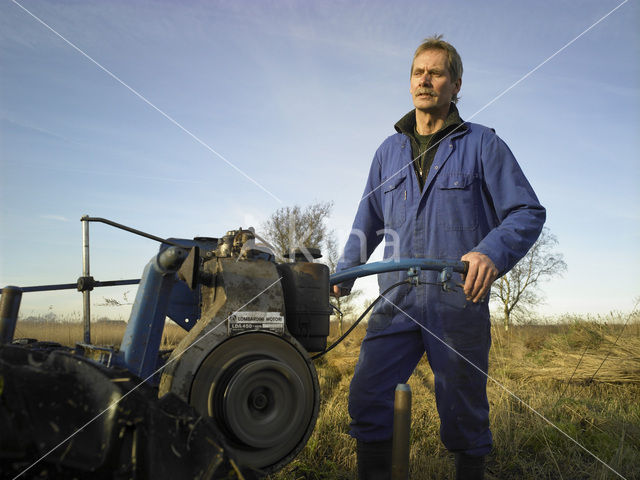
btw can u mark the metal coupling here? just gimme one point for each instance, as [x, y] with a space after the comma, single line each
[448, 285]
[414, 275]
[86, 284]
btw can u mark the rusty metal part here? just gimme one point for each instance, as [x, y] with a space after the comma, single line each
[246, 287]
[230, 245]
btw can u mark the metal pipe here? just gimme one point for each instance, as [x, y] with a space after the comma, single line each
[131, 230]
[401, 432]
[395, 265]
[9, 306]
[74, 286]
[86, 295]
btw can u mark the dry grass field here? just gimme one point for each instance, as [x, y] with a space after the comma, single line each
[102, 332]
[535, 363]
[550, 368]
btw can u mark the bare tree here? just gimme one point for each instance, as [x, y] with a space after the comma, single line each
[289, 228]
[519, 289]
[345, 307]
[294, 227]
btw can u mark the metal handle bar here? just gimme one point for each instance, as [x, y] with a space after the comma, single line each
[74, 286]
[87, 218]
[395, 265]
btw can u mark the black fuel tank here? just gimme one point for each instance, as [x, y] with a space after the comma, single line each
[306, 298]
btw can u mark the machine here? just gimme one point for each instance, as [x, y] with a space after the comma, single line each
[237, 398]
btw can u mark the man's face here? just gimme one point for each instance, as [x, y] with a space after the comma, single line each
[431, 85]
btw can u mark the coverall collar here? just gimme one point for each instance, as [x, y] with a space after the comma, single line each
[407, 123]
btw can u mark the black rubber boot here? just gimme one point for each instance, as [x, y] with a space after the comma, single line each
[374, 460]
[469, 467]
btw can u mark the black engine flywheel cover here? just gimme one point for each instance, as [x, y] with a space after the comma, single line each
[262, 391]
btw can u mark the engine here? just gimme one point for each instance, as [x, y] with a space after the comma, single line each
[245, 362]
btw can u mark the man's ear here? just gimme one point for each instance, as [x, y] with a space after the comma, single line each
[458, 84]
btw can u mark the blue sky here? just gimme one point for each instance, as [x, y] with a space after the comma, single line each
[298, 95]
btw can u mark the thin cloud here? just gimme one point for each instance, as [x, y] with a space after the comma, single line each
[13, 126]
[56, 218]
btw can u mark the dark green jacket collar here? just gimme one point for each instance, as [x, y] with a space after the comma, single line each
[407, 123]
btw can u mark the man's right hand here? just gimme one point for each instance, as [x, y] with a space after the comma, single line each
[337, 291]
[482, 272]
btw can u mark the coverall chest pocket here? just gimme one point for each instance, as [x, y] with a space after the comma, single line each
[457, 206]
[394, 201]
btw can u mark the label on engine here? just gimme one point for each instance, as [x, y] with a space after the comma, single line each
[244, 321]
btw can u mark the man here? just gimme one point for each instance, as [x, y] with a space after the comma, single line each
[447, 189]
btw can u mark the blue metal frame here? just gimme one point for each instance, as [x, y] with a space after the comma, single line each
[141, 341]
[184, 304]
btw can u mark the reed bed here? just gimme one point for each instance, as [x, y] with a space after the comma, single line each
[561, 394]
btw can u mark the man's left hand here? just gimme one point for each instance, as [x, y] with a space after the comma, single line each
[481, 274]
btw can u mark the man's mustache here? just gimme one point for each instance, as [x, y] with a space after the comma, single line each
[428, 91]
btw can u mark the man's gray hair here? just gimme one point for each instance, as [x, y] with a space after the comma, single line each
[454, 61]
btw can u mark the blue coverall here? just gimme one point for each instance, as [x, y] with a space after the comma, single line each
[475, 198]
